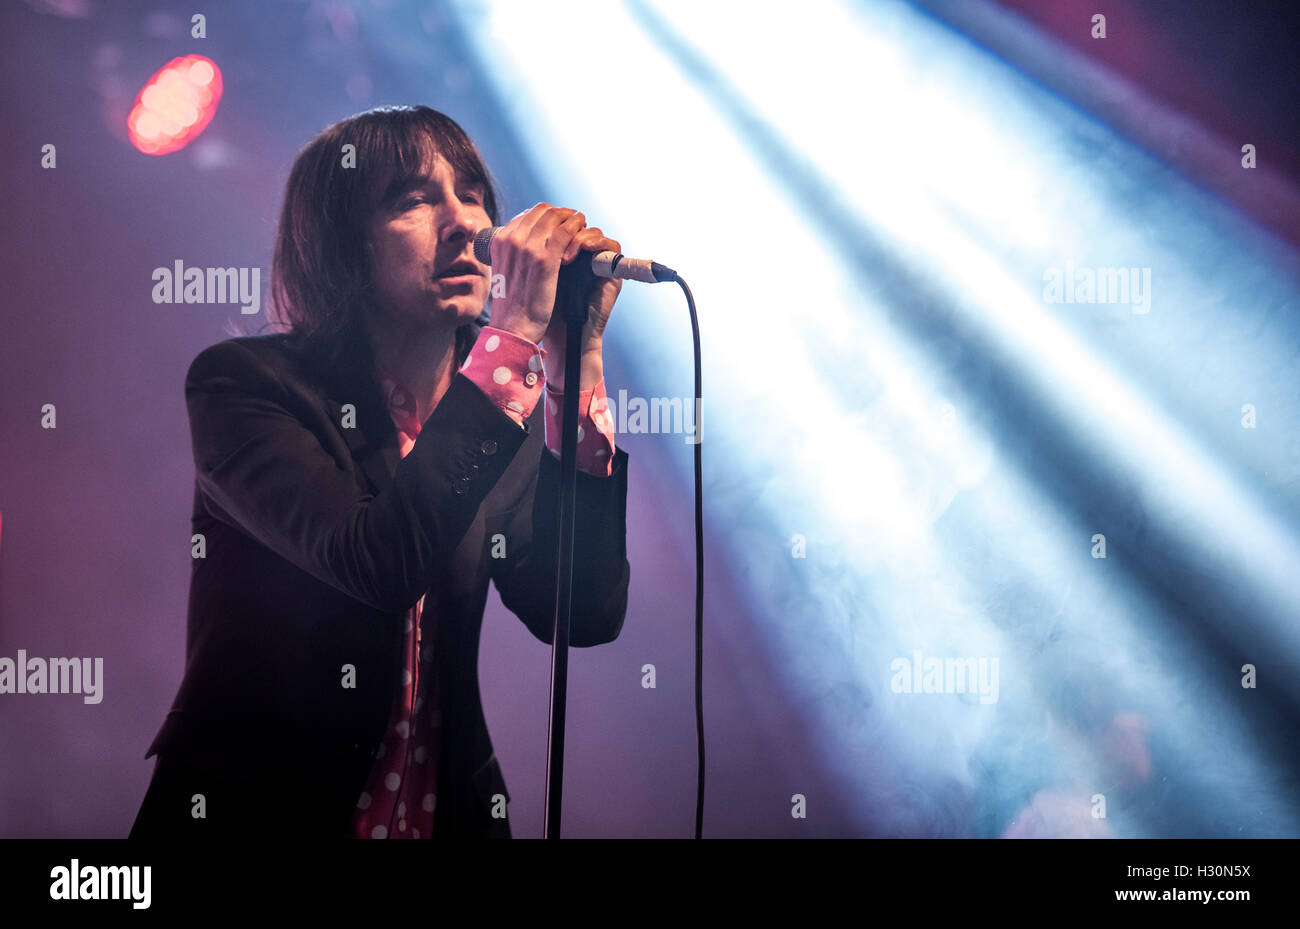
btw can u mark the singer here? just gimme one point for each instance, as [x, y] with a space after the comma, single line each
[361, 475]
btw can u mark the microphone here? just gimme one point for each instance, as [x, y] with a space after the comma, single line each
[603, 264]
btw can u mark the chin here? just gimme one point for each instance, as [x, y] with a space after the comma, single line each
[458, 310]
[469, 310]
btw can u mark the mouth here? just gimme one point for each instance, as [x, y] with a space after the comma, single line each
[458, 271]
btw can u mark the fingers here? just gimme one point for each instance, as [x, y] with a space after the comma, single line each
[563, 235]
[592, 240]
[515, 233]
[544, 231]
[519, 227]
[519, 233]
[549, 231]
[540, 222]
[551, 220]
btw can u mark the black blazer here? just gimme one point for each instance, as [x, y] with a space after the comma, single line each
[318, 540]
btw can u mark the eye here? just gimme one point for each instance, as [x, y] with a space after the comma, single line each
[472, 196]
[408, 203]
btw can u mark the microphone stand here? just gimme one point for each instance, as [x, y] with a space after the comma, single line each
[575, 283]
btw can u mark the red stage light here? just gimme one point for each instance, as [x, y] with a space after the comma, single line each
[175, 106]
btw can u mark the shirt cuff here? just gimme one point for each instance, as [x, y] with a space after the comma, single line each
[595, 429]
[508, 368]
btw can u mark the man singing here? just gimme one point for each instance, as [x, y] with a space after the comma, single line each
[360, 477]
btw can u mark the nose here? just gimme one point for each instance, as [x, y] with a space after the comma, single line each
[458, 223]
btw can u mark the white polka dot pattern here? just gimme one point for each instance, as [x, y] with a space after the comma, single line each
[405, 768]
[508, 369]
[595, 429]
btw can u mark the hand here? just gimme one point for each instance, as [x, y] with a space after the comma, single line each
[529, 252]
[600, 304]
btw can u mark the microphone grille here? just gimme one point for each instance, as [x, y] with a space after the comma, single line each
[483, 242]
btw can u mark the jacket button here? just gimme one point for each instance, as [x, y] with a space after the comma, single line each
[489, 447]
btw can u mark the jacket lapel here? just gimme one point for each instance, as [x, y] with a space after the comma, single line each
[374, 442]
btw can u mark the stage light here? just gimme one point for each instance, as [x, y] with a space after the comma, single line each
[175, 105]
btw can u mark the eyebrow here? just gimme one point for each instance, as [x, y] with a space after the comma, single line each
[402, 184]
[399, 185]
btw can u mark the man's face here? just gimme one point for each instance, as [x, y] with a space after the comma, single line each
[422, 253]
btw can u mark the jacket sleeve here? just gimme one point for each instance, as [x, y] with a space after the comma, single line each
[271, 475]
[526, 577]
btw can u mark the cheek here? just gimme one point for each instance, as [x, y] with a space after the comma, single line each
[408, 248]
[398, 257]
[388, 271]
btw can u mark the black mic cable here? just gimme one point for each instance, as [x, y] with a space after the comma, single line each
[699, 566]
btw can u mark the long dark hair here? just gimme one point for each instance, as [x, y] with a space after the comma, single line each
[320, 275]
